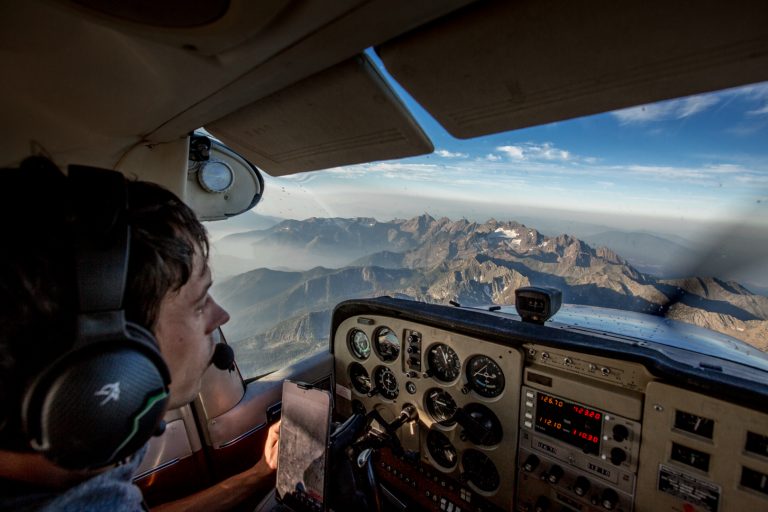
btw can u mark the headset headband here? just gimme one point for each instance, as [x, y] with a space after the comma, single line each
[102, 238]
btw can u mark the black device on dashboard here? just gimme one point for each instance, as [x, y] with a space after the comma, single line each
[302, 462]
[536, 304]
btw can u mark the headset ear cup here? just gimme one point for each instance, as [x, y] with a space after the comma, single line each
[95, 406]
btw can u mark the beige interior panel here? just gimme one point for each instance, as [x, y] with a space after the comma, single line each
[344, 115]
[210, 29]
[726, 451]
[164, 164]
[179, 440]
[237, 199]
[309, 38]
[531, 62]
[116, 84]
[609, 371]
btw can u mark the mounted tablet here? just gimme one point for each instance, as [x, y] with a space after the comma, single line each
[303, 451]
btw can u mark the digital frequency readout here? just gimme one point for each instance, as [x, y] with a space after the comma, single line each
[569, 422]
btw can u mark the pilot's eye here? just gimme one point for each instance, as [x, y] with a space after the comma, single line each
[201, 305]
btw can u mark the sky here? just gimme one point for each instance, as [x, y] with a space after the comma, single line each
[694, 161]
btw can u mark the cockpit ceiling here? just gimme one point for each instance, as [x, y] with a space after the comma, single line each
[87, 87]
[507, 65]
[82, 86]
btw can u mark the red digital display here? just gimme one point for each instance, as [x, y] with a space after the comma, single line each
[569, 422]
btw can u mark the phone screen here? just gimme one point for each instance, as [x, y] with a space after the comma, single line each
[302, 455]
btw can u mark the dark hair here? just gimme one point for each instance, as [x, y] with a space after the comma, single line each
[37, 280]
[165, 235]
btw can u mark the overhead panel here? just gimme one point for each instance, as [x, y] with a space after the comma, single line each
[345, 115]
[502, 65]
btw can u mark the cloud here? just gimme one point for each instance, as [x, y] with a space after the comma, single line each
[531, 151]
[492, 157]
[695, 104]
[514, 152]
[450, 154]
[759, 112]
[755, 92]
[666, 110]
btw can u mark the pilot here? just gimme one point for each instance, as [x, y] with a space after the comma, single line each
[166, 293]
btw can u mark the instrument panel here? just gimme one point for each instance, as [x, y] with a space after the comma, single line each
[531, 426]
[466, 395]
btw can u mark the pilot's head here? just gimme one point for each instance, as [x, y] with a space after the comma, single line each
[166, 287]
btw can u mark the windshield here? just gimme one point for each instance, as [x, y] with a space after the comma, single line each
[656, 209]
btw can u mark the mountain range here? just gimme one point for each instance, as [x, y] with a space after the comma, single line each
[437, 260]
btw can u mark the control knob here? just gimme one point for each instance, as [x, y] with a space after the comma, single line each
[618, 456]
[620, 433]
[531, 463]
[609, 499]
[555, 474]
[581, 486]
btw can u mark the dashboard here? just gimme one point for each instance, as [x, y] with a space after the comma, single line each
[515, 416]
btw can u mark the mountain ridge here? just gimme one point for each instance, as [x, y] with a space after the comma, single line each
[437, 260]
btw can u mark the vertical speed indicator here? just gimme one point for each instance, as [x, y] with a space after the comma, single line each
[485, 377]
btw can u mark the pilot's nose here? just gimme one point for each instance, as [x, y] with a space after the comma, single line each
[219, 316]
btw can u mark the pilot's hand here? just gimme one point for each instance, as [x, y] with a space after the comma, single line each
[271, 446]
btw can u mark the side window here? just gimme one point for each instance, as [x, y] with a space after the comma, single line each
[276, 318]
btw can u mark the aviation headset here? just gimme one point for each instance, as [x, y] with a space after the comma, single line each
[105, 397]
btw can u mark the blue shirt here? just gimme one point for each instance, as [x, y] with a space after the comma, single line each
[110, 491]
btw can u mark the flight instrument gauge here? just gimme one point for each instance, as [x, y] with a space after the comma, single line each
[387, 344]
[480, 470]
[485, 376]
[361, 381]
[359, 344]
[485, 428]
[441, 450]
[441, 406]
[386, 382]
[443, 363]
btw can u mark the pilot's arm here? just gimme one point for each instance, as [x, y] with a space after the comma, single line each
[253, 482]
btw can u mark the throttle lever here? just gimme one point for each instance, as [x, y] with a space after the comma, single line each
[373, 439]
[407, 415]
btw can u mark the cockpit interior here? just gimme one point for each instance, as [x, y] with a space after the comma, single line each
[528, 406]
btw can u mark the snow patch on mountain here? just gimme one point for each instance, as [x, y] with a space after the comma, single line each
[505, 233]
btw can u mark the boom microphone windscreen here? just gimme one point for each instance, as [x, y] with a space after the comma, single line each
[223, 357]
